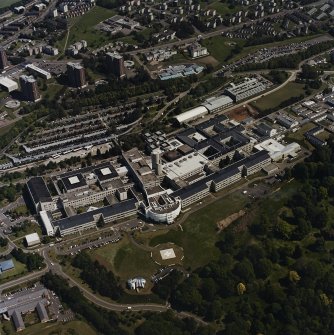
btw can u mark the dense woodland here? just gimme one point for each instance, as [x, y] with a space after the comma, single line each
[276, 275]
[96, 276]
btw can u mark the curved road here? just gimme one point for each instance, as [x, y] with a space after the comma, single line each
[56, 269]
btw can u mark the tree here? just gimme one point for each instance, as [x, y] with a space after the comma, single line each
[214, 311]
[294, 276]
[244, 270]
[100, 222]
[241, 288]
[263, 268]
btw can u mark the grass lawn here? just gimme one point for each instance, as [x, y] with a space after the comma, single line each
[52, 90]
[274, 99]
[21, 210]
[175, 59]
[26, 229]
[222, 8]
[83, 28]
[6, 129]
[220, 47]
[126, 260]
[19, 270]
[199, 233]
[6, 3]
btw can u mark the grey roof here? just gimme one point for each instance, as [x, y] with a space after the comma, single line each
[100, 175]
[42, 313]
[215, 103]
[190, 190]
[264, 128]
[39, 190]
[215, 122]
[18, 321]
[238, 139]
[80, 183]
[86, 169]
[223, 174]
[256, 158]
[107, 211]
[226, 173]
[184, 137]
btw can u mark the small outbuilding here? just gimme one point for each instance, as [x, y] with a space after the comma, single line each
[32, 239]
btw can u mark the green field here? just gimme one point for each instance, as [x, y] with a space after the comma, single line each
[53, 88]
[274, 99]
[220, 47]
[197, 238]
[54, 328]
[83, 28]
[6, 3]
[199, 233]
[126, 260]
[222, 8]
[6, 129]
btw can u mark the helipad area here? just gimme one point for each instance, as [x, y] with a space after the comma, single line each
[167, 254]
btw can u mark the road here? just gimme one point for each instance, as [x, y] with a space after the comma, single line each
[22, 280]
[57, 269]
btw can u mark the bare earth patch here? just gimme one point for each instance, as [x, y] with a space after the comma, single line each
[241, 113]
[227, 221]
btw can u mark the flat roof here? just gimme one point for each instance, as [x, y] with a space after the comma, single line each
[80, 219]
[184, 165]
[7, 82]
[38, 69]
[75, 65]
[32, 238]
[105, 172]
[26, 78]
[75, 181]
[39, 190]
[6, 265]
[46, 222]
[192, 113]
[114, 55]
[190, 190]
[214, 102]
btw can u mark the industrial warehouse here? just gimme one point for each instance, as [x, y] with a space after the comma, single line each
[232, 94]
[157, 184]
